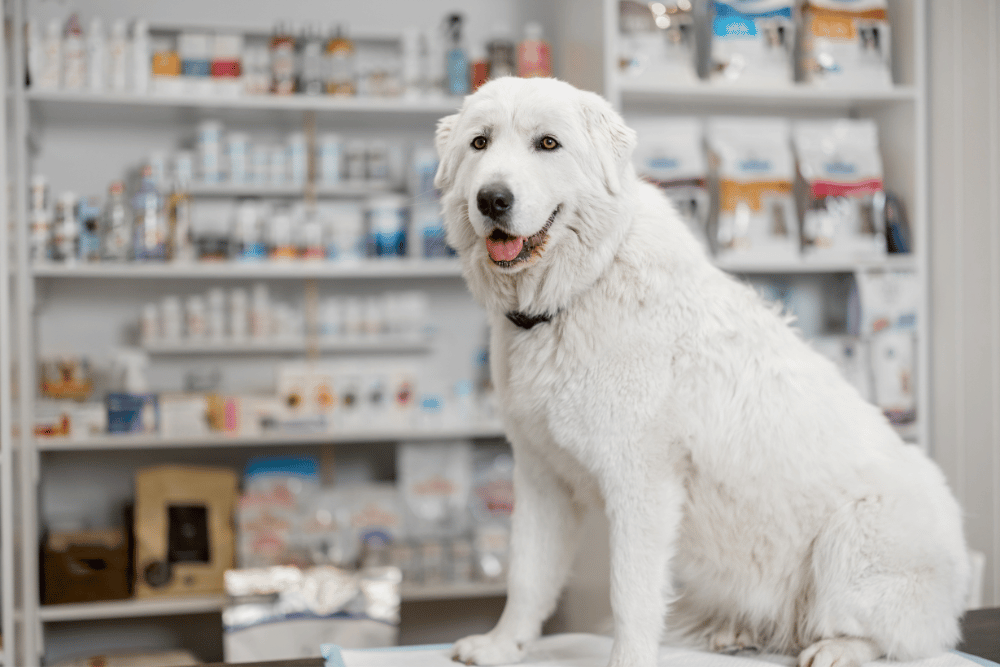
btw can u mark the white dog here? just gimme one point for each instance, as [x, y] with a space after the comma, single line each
[749, 489]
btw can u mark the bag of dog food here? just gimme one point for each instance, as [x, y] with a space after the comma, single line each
[883, 311]
[840, 163]
[434, 481]
[657, 41]
[754, 170]
[752, 42]
[846, 43]
[671, 153]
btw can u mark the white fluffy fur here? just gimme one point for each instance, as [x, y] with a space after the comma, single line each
[753, 497]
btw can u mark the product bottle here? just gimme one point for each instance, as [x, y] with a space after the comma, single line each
[457, 64]
[40, 219]
[66, 232]
[312, 81]
[500, 54]
[181, 244]
[150, 243]
[118, 50]
[51, 59]
[97, 57]
[533, 57]
[141, 57]
[282, 50]
[340, 64]
[116, 229]
[74, 55]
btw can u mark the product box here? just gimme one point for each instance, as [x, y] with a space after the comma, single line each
[85, 566]
[183, 415]
[133, 413]
[183, 530]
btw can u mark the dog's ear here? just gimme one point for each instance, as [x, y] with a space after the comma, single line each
[446, 162]
[612, 139]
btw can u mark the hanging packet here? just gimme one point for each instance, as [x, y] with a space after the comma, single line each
[840, 164]
[752, 42]
[845, 43]
[755, 218]
[671, 154]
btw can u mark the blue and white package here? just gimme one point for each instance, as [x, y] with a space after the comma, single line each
[387, 226]
[752, 42]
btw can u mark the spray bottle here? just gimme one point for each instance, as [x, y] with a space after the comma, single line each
[457, 63]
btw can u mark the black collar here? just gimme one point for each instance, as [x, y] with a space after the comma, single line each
[526, 321]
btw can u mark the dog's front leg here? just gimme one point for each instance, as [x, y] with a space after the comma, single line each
[644, 516]
[545, 530]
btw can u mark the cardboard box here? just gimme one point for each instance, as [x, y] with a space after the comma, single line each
[85, 566]
[183, 530]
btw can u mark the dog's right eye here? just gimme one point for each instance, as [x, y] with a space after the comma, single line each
[479, 143]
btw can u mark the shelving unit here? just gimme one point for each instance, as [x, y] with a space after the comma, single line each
[900, 113]
[55, 116]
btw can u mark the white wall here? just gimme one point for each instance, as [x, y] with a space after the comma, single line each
[965, 263]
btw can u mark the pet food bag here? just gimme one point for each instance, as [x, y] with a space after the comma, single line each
[752, 42]
[883, 311]
[840, 164]
[845, 43]
[434, 480]
[671, 153]
[754, 171]
[271, 513]
[657, 42]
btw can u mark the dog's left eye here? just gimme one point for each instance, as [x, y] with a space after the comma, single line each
[548, 143]
[479, 143]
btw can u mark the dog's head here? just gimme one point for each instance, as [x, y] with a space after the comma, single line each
[526, 167]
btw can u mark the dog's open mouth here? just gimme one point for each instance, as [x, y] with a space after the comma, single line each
[506, 250]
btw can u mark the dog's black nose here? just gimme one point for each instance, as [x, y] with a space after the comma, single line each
[494, 201]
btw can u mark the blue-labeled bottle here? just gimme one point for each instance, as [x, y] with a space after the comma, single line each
[456, 61]
[150, 229]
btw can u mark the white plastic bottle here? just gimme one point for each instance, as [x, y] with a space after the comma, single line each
[118, 50]
[74, 56]
[140, 58]
[51, 59]
[97, 57]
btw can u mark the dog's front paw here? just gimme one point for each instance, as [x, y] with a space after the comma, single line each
[487, 649]
[840, 652]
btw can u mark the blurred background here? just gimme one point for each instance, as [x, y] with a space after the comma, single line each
[245, 405]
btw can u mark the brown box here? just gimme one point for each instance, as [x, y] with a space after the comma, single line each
[85, 566]
[183, 530]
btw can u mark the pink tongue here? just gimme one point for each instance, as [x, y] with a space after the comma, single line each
[504, 251]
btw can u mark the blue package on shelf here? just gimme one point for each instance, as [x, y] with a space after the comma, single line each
[290, 466]
[133, 413]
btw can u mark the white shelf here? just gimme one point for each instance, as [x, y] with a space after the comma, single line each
[114, 107]
[345, 436]
[344, 190]
[379, 343]
[131, 608]
[815, 265]
[646, 92]
[475, 589]
[407, 268]
[138, 608]
[300, 269]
